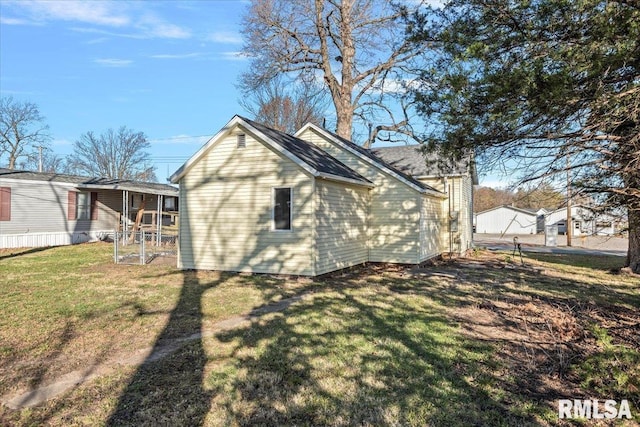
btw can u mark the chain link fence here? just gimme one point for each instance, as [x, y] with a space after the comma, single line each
[142, 247]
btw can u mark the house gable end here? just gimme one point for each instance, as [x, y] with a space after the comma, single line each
[309, 158]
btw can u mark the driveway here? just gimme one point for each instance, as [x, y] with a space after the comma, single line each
[594, 245]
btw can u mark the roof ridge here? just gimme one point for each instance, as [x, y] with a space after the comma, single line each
[308, 149]
[381, 162]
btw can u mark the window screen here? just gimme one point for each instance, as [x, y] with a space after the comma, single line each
[282, 209]
[83, 206]
[170, 204]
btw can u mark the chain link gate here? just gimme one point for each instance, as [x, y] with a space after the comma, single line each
[141, 247]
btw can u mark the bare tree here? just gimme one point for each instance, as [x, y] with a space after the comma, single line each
[113, 154]
[21, 129]
[357, 48]
[51, 162]
[286, 106]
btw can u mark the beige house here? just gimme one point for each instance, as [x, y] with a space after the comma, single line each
[258, 200]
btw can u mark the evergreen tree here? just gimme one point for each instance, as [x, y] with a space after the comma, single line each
[546, 87]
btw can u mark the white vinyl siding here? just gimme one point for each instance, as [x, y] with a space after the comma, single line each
[505, 220]
[341, 226]
[431, 224]
[459, 191]
[394, 226]
[465, 224]
[226, 211]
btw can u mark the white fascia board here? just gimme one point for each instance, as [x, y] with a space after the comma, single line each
[40, 182]
[368, 160]
[182, 170]
[236, 120]
[446, 175]
[80, 185]
[128, 188]
[331, 177]
[434, 193]
[277, 147]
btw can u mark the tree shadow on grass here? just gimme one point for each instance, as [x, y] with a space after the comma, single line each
[356, 355]
[167, 388]
[13, 253]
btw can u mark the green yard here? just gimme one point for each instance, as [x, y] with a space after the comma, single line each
[480, 341]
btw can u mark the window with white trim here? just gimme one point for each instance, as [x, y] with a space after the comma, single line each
[83, 205]
[282, 209]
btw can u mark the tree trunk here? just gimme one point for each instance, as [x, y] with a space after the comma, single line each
[12, 161]
[344, 106]
[345, 120]
[633, 254]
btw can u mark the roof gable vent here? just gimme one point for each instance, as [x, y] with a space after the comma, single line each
[241, 140]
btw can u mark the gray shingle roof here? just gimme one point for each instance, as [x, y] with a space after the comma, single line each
[313, 156]
[92, 182]
[369, 154]
[410, 160]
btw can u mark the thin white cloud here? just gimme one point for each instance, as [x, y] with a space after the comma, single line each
[154, 27]
[94, 12]
[18, 92]
[181, 140]
[177, 56]
[14, 21]
[224, 37]
[113, 62]
[97, 41]
[61, 142]
[133, 20]
[233, 56]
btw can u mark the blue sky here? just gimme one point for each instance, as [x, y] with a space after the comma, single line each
[166, 68]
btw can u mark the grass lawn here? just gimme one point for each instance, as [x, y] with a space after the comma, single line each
[480, 341]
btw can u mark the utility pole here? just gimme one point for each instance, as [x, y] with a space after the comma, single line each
[40, 159]
[569, 226]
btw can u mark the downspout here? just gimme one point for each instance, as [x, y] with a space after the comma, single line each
[314, 235]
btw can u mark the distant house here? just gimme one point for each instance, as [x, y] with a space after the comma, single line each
[584, 220]
[46, 209]
[507, 220]
[258, 200]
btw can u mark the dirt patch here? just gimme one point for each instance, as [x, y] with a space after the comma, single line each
[542, 336]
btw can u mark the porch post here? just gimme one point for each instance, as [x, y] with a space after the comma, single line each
[159, 220]
[125, 214]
